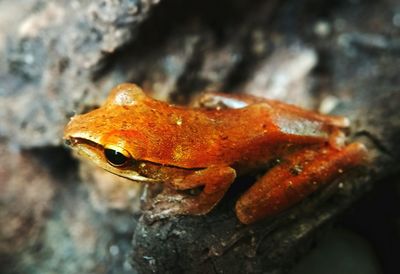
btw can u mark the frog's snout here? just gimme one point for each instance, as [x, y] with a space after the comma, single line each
[67, 142]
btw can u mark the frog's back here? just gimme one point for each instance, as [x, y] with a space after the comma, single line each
[195, 138]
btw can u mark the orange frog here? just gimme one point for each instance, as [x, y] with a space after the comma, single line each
[206, 146]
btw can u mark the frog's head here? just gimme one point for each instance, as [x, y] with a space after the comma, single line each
[105, 135]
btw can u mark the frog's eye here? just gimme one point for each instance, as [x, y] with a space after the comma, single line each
[116, 156]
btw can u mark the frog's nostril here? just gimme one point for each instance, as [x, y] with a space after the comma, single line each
[67, 142]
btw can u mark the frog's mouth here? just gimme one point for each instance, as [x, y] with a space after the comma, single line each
[95, 153]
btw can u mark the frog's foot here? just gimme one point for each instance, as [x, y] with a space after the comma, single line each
[176, 199]
[297, 176]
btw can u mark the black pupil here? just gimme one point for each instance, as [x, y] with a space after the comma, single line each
[114, 157]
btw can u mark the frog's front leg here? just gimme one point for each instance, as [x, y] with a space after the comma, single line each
[215, 182]
[297, 176]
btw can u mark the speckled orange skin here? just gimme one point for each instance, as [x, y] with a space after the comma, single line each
[188, 147]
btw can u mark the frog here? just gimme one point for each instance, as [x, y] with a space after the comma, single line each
[197, 151]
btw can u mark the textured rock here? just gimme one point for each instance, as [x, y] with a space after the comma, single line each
[26, 191]
[52, 56]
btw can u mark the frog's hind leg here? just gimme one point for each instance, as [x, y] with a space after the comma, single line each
[215, 182]
[216, 100]
[294, 178]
